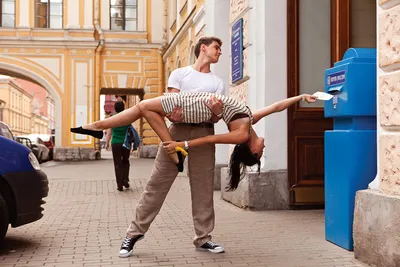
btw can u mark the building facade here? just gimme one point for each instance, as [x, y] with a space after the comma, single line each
[78, 50]
[16, 110]
[285, 49]
[42, 105]
[39, 124]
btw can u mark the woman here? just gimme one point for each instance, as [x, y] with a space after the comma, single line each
[196, 109]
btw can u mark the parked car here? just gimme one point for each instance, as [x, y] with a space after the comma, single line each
[22, 184]
[27, 142]
[48, 142]
[43, 153]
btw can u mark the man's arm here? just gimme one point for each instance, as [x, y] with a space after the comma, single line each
[215, 105]
[216, 108]
[176, 115]
[173, 90]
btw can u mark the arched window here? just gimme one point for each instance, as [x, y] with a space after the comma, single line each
[7, 9]
[123, 15]
[49, 14]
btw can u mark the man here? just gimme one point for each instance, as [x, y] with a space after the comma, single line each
[120, 153]
[195, 78]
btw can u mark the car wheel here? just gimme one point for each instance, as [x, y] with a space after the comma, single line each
[4, 218]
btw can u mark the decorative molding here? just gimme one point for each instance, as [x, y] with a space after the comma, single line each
[46, 61]
[199, 15]
[241, 14]
[183, 7]
[199, 26]
[139, 62]
[43, 43]
[37, 66]
[179, 35]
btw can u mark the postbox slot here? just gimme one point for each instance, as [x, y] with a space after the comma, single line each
[335, 90]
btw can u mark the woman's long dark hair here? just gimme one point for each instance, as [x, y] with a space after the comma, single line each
[240, 158]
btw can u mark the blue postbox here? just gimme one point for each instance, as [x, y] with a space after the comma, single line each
[350, 148]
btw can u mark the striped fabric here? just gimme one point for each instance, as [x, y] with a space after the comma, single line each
[194, 109]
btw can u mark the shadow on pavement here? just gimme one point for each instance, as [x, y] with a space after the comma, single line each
[11, 245]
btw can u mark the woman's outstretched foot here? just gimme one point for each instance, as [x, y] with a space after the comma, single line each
[95, 134]
[178, 158]
[181, 158]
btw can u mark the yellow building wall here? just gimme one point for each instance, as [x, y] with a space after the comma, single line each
[39, 125]
[17, 110]
[76, 62]
[183, 36]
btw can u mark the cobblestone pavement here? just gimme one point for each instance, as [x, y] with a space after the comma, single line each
[85, 220]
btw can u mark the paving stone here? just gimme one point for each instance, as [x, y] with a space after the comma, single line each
[85, 220]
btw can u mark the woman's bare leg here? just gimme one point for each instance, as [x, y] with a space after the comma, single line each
[150, 109]
[125, 117]
[156, 121]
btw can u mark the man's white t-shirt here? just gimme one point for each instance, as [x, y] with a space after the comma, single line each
[189, 80]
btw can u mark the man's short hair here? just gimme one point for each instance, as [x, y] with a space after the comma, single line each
[206, 41]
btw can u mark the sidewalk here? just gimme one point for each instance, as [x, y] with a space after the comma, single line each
[86, 218]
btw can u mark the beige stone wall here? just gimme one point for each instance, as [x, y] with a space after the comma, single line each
[389, 96]
[239, 9]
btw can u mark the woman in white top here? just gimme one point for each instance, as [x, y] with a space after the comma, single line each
[196, 109]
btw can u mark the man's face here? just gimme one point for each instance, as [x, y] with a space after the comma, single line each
[213, 52]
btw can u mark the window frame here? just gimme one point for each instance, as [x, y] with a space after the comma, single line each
[1, 15]
[48, 15]
[123, 17]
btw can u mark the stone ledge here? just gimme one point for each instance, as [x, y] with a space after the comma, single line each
[148, 151]
[375, 228]
[217, 175]
[264, 191]
[75, 154]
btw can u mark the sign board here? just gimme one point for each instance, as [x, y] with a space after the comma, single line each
[237, 51]
[336, 78]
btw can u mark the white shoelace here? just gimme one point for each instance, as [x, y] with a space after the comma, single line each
[212, 244]
[126, 241]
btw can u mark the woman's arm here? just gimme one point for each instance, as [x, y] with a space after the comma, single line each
[237, 136]
[281, 105]
[108, 138]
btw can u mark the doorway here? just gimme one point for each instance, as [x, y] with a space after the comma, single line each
[319, 33]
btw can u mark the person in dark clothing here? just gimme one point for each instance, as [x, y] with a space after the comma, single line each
[120, 153]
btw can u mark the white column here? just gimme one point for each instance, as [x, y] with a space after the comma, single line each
[24, 14]
[81, 96]
[376, 182]
[88, 24]
[105, 14]
[271, 71]
[142, 14]
[73, 14]
[217, 24]
[157, 21]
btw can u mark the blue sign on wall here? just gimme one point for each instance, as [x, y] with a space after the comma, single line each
[336, 78]
[237, 51]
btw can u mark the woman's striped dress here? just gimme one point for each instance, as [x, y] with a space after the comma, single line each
[194, 109]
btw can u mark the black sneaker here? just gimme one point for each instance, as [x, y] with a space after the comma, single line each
[127, 245]
[212, 247]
